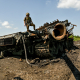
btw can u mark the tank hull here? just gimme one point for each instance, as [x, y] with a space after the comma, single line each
[47, 41]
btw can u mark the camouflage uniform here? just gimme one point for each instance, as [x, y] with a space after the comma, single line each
[28, 22]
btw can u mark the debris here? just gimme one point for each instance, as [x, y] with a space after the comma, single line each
[36, 60]
[20, 60]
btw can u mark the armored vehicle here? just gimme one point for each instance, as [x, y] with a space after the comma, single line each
[49, 40]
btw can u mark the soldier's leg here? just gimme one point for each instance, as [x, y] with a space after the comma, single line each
[33, 25]
[27, 26]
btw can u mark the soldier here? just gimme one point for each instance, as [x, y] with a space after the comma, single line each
[28, 22]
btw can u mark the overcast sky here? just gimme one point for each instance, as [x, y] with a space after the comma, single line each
[12, 13]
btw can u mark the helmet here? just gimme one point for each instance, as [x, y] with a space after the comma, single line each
[27, 13]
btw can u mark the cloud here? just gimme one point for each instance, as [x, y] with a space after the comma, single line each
[5, 23]
[48, 1]
[8, 27]
[69, 4]
[16, 28]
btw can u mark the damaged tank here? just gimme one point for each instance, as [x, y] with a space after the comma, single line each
[49, 40]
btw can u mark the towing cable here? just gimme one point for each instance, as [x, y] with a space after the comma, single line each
[26, 53]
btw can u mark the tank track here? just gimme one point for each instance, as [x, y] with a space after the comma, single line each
[53, 48]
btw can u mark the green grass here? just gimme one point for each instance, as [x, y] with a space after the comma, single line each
[76, 38]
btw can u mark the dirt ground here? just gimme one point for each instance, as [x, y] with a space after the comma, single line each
[66, 67]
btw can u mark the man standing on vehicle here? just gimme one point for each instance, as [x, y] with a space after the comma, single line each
[28, 22]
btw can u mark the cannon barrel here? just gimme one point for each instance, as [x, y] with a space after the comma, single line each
[58, 31]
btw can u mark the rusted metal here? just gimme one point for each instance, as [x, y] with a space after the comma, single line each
[6, 41]
[42, 27]
[74, 25]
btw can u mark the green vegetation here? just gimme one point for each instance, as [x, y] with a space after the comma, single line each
[76, 38]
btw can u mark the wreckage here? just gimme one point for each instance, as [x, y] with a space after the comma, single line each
[49, 40]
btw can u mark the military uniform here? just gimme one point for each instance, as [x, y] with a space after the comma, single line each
[28, 22]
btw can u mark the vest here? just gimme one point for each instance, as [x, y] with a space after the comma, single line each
[27, 20]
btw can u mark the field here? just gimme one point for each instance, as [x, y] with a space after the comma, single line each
[76, 38]
[66, 67]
